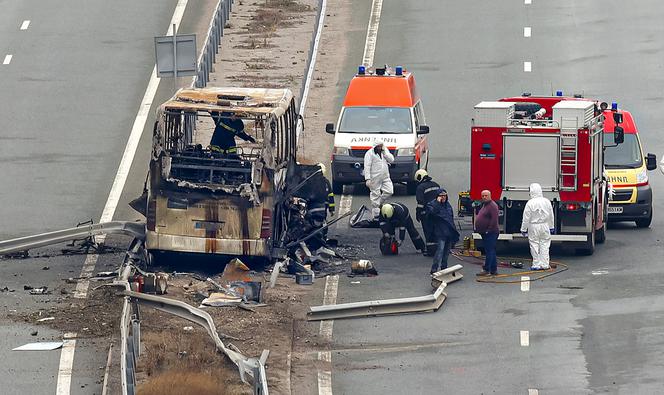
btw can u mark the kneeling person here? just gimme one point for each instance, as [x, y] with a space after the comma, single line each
[395, 215]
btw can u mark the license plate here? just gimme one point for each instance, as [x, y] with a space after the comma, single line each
[615, 210]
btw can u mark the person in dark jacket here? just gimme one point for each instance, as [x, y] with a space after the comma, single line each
[486, 224]
[444, 231]
[226, 127]
[426, 191]
[395, 215]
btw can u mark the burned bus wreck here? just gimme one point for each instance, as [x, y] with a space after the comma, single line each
[231, 199]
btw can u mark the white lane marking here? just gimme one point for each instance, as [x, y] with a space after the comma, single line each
[599, 272]
[525, 338]
[8, 59]
[345, 203]
[325, 375]
[25, 24]
[527, 1]
[527, 31]
[532, 391]
[372, 33]
[310, 71]
[527, 67]
[525, 283]
[109, 360]
[66, 364]
[127, 159]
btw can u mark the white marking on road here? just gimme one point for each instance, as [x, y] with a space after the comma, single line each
[532, 391]
[325, 375]
[525, 283]
[372, 33]
[25, 24]
[599, 272]
[109, 360]
[8, 59]
[525, 338]
[527, 1]
[527, 31]
[127, 159]
[66, 364]
[345, 203]
[527, 67]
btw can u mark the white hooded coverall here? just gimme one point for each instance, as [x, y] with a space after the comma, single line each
[377, 172]
[537, 221]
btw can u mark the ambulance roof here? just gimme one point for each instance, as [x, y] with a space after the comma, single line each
[382, 91]
[628, 124]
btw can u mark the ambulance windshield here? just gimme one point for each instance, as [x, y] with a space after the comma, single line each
[628, 154]
[385, 120]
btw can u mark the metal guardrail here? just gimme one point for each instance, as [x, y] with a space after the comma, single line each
[135, 229]
[212, 42]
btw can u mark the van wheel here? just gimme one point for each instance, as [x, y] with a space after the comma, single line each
[644, 222]
[589, 248]
[411, 187]
[337, 188]
[600, 235]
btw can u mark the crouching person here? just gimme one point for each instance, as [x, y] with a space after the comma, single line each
[395, 216]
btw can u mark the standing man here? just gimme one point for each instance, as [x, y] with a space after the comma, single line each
[395, 215]
[377, 175]
[442, 216]
[226, 127]
[486, 224]
[426, 191]
[538, 225]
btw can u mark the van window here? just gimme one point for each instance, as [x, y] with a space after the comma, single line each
[419, 115]
[628, 154]
[376, 120]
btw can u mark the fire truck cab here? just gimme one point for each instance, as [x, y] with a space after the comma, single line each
[554, 141]
[381, 104]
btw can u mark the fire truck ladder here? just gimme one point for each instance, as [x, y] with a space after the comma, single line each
[568, 159]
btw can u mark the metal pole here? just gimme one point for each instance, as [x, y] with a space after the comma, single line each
[175, 60]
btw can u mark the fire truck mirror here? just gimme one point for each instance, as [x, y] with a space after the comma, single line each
[424, 129]
[618, 135]
[329, 128]
[617, 118]
[651, 161]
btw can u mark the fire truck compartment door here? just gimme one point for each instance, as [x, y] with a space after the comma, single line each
[529, 158]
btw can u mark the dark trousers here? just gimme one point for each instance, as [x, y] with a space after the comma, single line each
[427, 229]
[489, 240]
[414, 234]
[441, 255]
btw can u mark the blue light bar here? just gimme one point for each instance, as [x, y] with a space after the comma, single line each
[614, 106]
[399, 70]
[361, 70]
[559, 93]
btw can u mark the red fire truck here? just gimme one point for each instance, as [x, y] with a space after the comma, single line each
[554, 141]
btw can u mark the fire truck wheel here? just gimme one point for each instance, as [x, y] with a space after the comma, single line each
[337, 188]
[644, 222]
[600, 235]
[589, 248]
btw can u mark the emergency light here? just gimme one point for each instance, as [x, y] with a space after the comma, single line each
[361, 70]
[559, 93]
[399, 70]
[614, 106]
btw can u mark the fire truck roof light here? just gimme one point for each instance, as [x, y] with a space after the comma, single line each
[399, 70]
[559, 93]
[361, 70]
[526, 94]
[614, 106]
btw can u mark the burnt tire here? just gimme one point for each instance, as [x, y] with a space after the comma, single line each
[644, 222]
[337, 188]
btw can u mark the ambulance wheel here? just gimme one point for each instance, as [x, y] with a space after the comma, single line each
[589, 248]
[337, 188]
[644, 222]
[600, 235]
[411, 187]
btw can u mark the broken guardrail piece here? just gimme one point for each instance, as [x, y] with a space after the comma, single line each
[449, 275]
[370, 308]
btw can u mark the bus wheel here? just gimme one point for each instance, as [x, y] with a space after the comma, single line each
[337, 188]
[600, 235]
[589, 248]
[644, 222]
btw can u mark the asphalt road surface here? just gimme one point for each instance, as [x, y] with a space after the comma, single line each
[592, 329]
[72, 76]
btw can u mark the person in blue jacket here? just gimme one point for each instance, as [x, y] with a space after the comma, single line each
[441, 214]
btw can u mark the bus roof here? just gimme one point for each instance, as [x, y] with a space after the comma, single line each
[382, 91]
[256, 101]
[628, 124]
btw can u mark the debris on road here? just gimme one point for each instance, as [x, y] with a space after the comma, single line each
[40, 346]
[363, 267]
[40, 291]
[449, 275]
[46, 319]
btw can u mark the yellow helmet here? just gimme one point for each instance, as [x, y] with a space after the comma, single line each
[420, 174]
[386, 211]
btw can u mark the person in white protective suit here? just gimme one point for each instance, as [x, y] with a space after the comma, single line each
[538, 225]
[377, 175]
